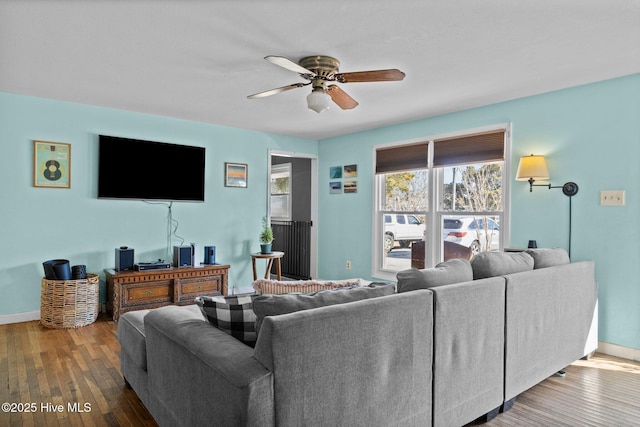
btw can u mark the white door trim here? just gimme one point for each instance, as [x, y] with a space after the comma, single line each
[314, 200]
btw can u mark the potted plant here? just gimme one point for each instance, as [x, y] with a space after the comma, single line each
[266, 236]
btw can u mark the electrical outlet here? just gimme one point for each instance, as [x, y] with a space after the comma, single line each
[348, 265]
[612, 198]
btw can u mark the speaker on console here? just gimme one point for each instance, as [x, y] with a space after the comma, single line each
[209, 254]
[124, 258]
[182, 256]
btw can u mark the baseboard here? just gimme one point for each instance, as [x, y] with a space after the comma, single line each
[619, 351]
[5, 319]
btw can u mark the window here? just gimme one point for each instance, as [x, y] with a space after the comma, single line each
[462, 177]
[281, 192]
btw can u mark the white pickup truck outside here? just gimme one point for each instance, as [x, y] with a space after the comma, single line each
[402, 228]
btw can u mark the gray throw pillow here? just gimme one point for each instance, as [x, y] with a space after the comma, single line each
[273, 305]
[492, 264]
[445, 273]
[548, 257]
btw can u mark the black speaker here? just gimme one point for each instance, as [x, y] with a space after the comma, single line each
[124, 258]
[209, 254]
[182, 256]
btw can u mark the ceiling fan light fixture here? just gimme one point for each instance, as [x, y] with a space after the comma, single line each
[318, 100]
[319, 70]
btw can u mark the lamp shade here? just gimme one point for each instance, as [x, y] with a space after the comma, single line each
[532, 167]
[318, 100]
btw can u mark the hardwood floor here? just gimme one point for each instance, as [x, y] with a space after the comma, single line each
[601, 391]
[41, 369]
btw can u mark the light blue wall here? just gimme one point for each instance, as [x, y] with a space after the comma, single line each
[590, 135]
[39, 224]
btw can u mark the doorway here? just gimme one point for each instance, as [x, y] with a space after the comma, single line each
[292, 207]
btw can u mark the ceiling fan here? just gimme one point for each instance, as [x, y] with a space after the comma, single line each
[319, 71]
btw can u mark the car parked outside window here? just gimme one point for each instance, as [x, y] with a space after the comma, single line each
[479, 234]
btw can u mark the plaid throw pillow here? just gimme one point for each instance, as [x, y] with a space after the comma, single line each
[232, 314]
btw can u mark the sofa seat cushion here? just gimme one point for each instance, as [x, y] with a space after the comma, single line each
[277, 287]
[548, 257]
[445, 273]
[273, 305]
[231, 314]
[492, 264]
[131, 336]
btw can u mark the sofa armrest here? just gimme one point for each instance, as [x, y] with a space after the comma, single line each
[549, 322]
[199, 375]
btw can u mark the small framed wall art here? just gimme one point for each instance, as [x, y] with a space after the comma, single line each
[335, 187]
[350, 171]
[235, 175]
[351, 186]
[51, 164]
[335, 172]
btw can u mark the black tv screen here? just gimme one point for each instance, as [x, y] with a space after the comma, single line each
[147, 170]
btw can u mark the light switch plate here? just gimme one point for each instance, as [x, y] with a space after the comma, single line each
[612, 198]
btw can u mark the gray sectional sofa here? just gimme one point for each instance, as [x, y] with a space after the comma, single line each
[444, 350]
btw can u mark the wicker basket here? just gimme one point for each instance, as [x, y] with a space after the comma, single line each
[69, 303]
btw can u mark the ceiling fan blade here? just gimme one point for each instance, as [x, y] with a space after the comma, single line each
[341, 98]
[277, 90]
[371, 76]
[289, 65]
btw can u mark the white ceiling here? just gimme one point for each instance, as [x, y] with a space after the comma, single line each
[198, 60]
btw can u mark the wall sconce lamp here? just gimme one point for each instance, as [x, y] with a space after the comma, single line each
[532, 168]
[535, 167]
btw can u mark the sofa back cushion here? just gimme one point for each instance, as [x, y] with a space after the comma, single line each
[491, 264]
[445, 273]
[277, 287]
[232, 314]
[548, 257]
[273, 305]
[361, 363]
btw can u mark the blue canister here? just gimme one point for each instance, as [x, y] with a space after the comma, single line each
[57, 269]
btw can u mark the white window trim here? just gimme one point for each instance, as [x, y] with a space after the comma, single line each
[433, 216]
[282, 168]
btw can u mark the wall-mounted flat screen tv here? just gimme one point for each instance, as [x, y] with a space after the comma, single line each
[147, 170]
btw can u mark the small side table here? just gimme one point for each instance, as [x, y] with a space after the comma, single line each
[270, 258]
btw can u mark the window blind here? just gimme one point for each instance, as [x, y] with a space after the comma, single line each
[402, 158]
[477, 148]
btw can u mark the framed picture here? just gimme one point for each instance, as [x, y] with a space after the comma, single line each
[335, 172]
[351, 186]
[350, 171]
[335, 187]
[235, 174]
[51, 164]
